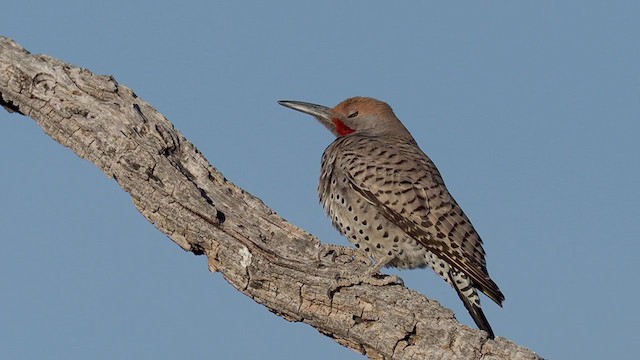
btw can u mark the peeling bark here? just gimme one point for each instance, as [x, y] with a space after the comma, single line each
[258, 252]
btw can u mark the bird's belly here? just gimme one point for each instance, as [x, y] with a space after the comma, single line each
[366, 228]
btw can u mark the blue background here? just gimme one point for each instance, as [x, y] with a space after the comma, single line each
[530, 109]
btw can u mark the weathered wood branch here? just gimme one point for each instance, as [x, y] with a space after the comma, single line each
[258, 252]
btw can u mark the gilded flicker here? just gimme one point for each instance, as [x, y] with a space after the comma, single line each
[388, 198]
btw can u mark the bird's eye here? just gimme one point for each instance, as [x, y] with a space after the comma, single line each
[353, 114]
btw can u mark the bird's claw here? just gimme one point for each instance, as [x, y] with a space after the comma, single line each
[380, 280]
[333, 251]
[374, 280]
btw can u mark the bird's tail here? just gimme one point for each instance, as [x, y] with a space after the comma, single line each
[469, 296]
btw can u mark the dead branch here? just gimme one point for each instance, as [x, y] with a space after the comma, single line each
[259, 253]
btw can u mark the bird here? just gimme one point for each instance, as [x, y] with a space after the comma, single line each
[388, 198]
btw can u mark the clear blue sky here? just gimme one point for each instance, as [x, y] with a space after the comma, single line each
[530, 110]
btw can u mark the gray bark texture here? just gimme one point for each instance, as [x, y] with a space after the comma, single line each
[258, 252]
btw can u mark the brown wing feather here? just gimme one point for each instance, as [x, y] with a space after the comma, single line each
[421, 206]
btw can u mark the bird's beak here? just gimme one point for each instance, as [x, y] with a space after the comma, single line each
[322, 113]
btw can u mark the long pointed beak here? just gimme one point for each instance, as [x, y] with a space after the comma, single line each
[320, 112]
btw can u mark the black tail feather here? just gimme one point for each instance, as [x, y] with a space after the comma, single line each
[476, 313]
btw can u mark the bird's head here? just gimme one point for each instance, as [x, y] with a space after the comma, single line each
[356, 115]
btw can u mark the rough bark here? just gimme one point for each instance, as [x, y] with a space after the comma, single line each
[258, 252]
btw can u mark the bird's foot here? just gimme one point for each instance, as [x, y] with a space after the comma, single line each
[370, 275]
[370, 279]
[333, 251]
